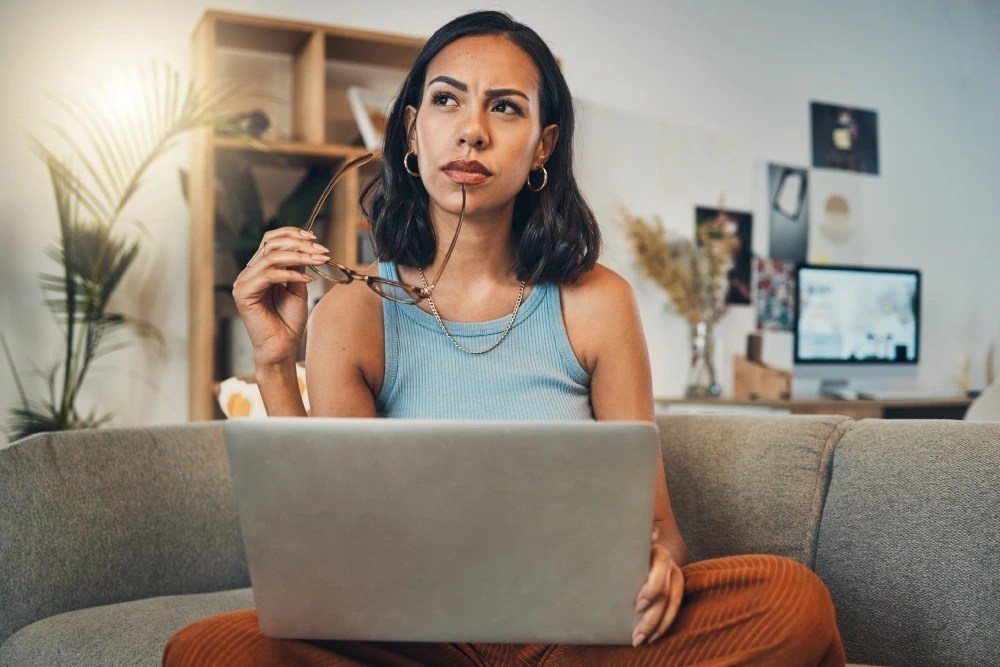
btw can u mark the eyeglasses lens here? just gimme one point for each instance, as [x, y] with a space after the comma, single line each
[393, 292]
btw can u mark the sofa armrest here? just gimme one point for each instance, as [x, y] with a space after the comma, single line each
[102, 516]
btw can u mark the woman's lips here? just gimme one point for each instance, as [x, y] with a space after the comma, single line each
[466, 172]
[465, 177]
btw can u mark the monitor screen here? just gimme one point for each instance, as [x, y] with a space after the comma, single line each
[848, 314]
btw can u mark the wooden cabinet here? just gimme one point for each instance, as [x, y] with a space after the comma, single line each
[298, 74]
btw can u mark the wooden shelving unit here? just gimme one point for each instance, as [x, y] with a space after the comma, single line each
[304, 68]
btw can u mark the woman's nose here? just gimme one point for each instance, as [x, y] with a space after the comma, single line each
[473, 132]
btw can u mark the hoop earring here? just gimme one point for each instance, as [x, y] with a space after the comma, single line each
[406, 164]
[545, 180]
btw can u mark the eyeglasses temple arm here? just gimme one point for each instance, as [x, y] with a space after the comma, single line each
[454, 240]
[356, 162]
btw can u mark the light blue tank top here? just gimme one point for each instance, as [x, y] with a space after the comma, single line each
[532, 374]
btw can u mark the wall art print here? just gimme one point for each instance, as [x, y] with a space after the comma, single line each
[845, 138]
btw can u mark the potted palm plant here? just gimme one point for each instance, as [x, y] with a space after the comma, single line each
[104, 154]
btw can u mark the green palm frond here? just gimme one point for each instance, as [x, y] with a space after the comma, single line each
[94, 265]
[30, 419]
[116, 147]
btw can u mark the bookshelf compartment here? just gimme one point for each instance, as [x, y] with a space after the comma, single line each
[341, 125]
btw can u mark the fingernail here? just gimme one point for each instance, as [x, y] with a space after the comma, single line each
[642, 606]
[321, 248]
[639, 638]
[306, 233]
[320, 258]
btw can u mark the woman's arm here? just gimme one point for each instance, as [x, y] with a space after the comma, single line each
[270, 296]
[279, 390]
[602, 320]
[345, 355]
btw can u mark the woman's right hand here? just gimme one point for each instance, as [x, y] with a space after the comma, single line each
[270, 294]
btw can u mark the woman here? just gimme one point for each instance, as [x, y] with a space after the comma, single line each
[514, 318]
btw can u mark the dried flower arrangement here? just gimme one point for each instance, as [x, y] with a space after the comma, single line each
[694, 275]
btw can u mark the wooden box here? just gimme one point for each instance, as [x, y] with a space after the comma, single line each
[756, 381]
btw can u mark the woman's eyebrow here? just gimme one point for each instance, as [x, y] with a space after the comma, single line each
[506, 92]
[454, 83]
[498, 92]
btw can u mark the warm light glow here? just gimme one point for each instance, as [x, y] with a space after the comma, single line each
[123, 99]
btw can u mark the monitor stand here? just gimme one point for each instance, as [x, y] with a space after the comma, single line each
[847, 381]
[833, 388]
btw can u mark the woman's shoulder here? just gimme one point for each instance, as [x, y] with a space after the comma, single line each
[352, 299]
[346, 326]
[594, 307]
[599, 288]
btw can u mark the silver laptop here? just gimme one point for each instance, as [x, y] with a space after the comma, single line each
[421, 530]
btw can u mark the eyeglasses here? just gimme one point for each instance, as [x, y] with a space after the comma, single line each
[389, 289]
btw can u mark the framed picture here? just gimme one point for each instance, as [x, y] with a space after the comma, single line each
[775, 294]
[836, 218]
[844, 138]
[788, 212]
[371, 110]
[738, 225]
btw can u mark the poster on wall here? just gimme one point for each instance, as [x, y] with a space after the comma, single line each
[739, 227]
[844, 138]
[835, 235]
[788, 212]
[775, 297]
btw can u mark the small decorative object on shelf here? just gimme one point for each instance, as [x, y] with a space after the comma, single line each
[251, 124]
[701, 376]
[695, 278]
[962, 379]
[991, 364]
[371, 111]
[753, 380]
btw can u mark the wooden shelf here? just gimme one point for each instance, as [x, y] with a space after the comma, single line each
[299, 58]
[946, 407]
[301, 152]
[254, 35]
[371, 48]
[281, 35]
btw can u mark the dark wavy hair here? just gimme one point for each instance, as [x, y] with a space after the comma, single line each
[555, 234]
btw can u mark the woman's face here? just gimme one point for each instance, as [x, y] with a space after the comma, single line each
[479, 125]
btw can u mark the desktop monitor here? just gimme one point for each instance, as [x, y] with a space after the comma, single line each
[850, 317]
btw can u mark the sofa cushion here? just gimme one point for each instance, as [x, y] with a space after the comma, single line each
[749, 484]
[908, 542]
[90, 518]
[127, 633]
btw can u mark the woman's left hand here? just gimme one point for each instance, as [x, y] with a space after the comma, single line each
[659, 599]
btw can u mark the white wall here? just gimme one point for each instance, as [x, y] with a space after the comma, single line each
[931, 68]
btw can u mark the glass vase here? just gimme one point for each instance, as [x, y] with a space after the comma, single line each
[701, 376]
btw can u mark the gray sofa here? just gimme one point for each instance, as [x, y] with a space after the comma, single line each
[112, 540]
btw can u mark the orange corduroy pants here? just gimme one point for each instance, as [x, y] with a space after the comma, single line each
[737, 610]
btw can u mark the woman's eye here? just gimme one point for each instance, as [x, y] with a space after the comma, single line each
[507, 107]
[443, 99]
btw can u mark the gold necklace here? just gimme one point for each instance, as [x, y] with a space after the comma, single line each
[510, 322]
